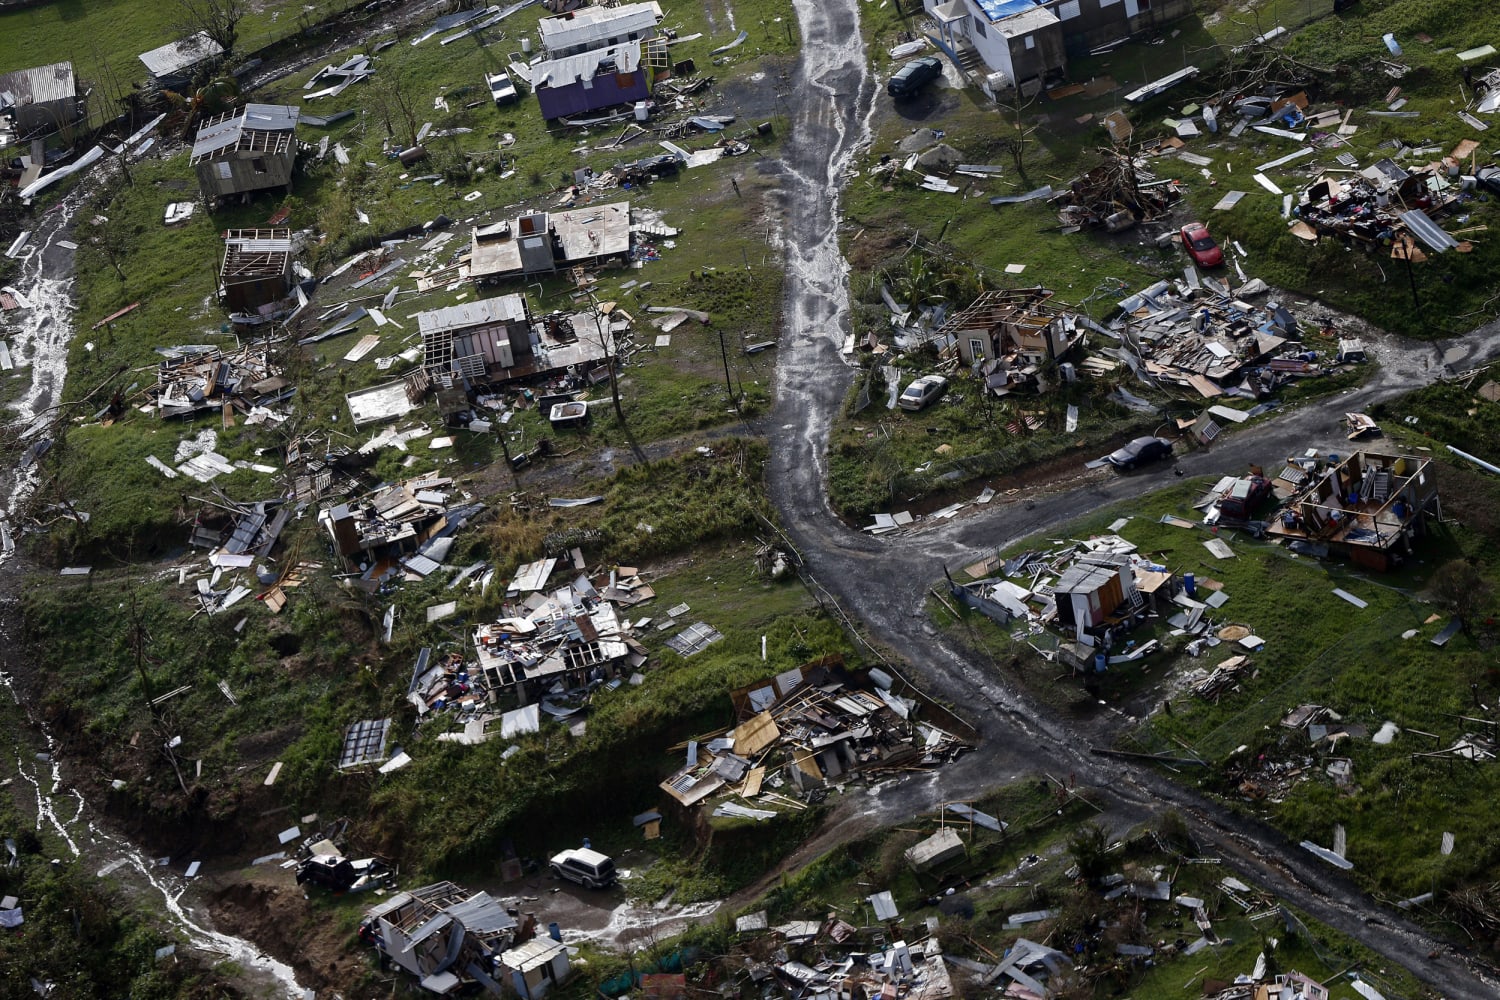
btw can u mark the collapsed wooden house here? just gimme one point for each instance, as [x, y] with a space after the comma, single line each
[1011, 335]
[809, 726]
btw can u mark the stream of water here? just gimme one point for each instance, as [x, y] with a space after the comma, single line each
[45, 291]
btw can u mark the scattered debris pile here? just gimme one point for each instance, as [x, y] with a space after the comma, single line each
[805, 729]
[196, 379]
[1384, 205]
[1115, 195]
[400, 531]
[1198, 335]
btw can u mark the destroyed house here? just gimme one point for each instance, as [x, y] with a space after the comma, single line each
[482, 341]
[1092, 593]
[447, 936]
[198, 378]
[39, 101]
[173, 66]
[539, 242]
[1369, 507]
[257, 269]
[1012, 334]
[1380, 204]
[1207, 341]
[589, 81]
[569, 636]
[598, 27]
[248, 150]
[1009, 43]
[385, 532]
[808, 726]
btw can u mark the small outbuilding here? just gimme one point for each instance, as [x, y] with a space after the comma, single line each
[39, 101]
[243, 151]
[257, 269]
[533, 968]
[174, 65]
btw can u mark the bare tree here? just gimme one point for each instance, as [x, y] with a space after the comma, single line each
[611, 354]
[391, 100]
[218, 19]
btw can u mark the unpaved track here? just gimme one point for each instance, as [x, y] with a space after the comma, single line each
[882, 582]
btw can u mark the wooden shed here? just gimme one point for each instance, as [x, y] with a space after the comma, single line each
[257, 269]
[248, 150]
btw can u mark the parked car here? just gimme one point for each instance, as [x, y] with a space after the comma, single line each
[914, 76]
[1243, 497]
[585, 866]
[340, 874]
[1139, 452]
[1201, 246]
[923, 392]
[502, 88]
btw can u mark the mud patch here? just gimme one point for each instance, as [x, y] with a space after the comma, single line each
[271, 910]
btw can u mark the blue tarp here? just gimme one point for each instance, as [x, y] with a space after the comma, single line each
[995, 10]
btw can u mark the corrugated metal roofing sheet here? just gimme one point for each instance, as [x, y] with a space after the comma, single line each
[585, 66]
[500, 309]
[224, 134]
[38, 85]
[185, 53]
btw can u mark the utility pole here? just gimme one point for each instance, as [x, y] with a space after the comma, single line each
[728, 386]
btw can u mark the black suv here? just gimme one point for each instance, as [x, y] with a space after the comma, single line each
[914, 76]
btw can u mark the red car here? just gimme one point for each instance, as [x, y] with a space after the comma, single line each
[1201, 246]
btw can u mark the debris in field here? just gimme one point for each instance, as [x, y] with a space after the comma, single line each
[195, 379]
[1115, 195]
[338, 78]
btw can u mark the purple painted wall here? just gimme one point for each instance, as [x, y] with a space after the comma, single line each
[608, 89]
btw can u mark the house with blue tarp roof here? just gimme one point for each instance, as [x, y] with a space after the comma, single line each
[1005, 44]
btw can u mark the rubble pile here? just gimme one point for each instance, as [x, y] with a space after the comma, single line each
[1115, 195]
[1203, 338]
[1383, 204]
[804, 729]
[197, 379]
